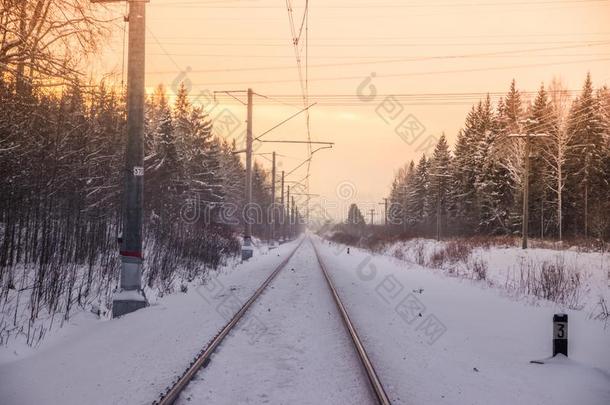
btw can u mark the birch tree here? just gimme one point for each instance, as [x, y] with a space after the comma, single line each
[555, 148]
[48, 38]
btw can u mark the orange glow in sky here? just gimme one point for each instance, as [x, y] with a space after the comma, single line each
[411, 47]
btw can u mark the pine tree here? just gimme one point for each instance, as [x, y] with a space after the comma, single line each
[513, 108]
[261, 197]
[418, 201]
[397, 198]
[602, 224]
[464, 171]
[408, 186]
[408, 200]
[354, 216]
[542, 120]
[440, 182]
[164, 182]
[586, 161]
[202, 156]
[493, 185]
[233, 184]
[512, 150]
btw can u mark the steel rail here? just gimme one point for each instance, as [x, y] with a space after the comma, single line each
[203, 358]
[375, 382]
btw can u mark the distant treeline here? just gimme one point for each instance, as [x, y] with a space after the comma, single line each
[477, 188]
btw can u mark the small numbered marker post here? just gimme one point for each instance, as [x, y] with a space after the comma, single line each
[560, 334]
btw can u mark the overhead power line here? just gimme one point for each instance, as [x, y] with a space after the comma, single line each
[401, 60]
[420, 73]
[338, 57]
[352, 5]
[385, 38]
[414, 44]
[303, 77]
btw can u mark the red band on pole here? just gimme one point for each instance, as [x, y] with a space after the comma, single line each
[131, 254]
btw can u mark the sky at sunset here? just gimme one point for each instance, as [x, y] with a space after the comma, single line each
[447, 54]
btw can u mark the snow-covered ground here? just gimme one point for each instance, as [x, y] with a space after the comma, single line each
[132, 359]
[304, 355]
[434, 339]
[581, 278]
[470, 344]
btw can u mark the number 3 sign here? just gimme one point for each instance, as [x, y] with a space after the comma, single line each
[561, 330]
[560, 334]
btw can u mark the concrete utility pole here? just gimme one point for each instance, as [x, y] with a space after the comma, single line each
[526, 192]
[526, 176]
[439, 176]
[307, 198]
[292, 217]
[246, 249]
[130, 297]
[385, 211]
[372, 212]
[282, 218]
[287, 230]
[326, 145]
[586, 197]
[272, 219]
[404, 209]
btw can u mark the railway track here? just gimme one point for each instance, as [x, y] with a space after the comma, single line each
[202, 359]
[373, 378]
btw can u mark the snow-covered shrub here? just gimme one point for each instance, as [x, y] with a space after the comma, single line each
[558, 284]
[601, 311]
[398, 253]
[437, 259]
[486, 241]
[478, 268]
[346, 238]
[552, 280]
[456, 251]
[420, 249]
